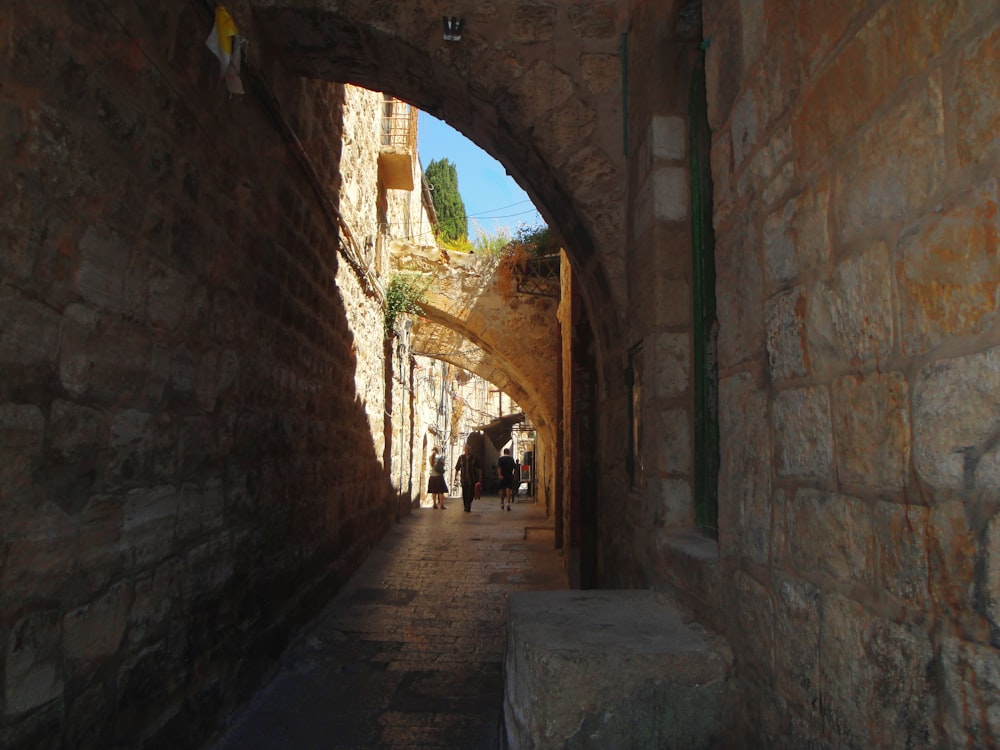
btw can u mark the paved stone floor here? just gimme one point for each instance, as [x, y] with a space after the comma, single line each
[409, 654]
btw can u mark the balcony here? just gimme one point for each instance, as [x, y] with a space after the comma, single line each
[398, 146]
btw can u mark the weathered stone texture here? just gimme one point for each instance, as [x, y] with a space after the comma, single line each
[897, 164]
[668, 360]
[185, 459]
[740, 300]
[955, 423]
[976, 108]
[871, 425]
[875, 689]
[900, 532]
[786, 350]
[948, 269]
[797, 621]
[744, 471]
[830, 535]
[803, 444]
[850, 320]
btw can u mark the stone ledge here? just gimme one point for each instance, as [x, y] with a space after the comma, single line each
[690, 562]
[597, 669]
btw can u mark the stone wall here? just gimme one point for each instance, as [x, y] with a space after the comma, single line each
[855, 156]
[187, 463]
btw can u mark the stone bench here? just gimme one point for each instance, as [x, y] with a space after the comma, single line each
[609, 669]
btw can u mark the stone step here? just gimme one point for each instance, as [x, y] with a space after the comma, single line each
[610, 669]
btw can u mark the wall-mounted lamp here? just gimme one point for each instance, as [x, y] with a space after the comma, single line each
[453, 28]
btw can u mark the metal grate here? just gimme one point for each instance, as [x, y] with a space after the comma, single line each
[540, 277]
[399, 125]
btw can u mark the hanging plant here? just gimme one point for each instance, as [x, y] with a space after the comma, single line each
[529, 242]
[403, 296]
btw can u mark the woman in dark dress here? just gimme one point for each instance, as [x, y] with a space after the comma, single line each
[436, 486]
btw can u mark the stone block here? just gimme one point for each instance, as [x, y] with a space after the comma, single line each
[100, 278]
[168, 297]
[786, 346]
[850, 321]
[739, 301]
[601, 73]
[991, 584]
[948, 272]
[953, 553]
[670, 194]
[592, 669]
[199, 510]
[796, 236]
[130, 445]
[106, 357]
[533, 22]
[850, 88]
[94, 632]
[898, 163]
[668, 442]
[564, 128]
[971, 675]
[155, 596]
[668, 137]
[669, 363]
[542, 88]
[149, 525]
[872, 428]
[955, 408]
[771, 171]
[780, 258]
[594, 20]
[798, 605]
[41, 549]
[901, 550]
[830, 534]
[22, 429]
[976, 106]
[750, 622]
[29, 335]
[820, 27]
[803, 434]
[745, 126]
[76, 432]
[671, 504]
[877, 690]
[744, 470]
[207, 569]
[32, 676]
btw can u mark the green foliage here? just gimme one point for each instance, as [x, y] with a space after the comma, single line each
[536, 241]
[403, 295]
[448, 204]
[491, 244]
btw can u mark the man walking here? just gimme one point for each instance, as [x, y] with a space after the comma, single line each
[506, 466]
[471, 472]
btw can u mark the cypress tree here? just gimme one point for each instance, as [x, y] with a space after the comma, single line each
[448, 204]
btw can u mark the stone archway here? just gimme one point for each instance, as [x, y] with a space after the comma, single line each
[511, 341]
[538, 88]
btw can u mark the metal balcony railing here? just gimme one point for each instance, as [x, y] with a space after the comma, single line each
[399, 126]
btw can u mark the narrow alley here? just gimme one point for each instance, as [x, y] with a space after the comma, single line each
[410, 652]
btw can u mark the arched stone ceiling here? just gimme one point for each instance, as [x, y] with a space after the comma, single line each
[536, 85]
[512, 342]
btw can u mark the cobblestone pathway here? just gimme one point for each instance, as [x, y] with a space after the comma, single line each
[409, 654]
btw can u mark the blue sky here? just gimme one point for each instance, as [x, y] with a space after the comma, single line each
[492, 198]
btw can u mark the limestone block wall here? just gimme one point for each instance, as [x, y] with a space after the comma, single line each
[855, 159]
[639, 508]
[187, 462]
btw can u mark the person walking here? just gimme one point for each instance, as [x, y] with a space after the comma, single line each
[437, 488]
[506, 466]
[471, 472]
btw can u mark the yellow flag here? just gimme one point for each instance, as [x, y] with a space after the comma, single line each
[221, 43]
